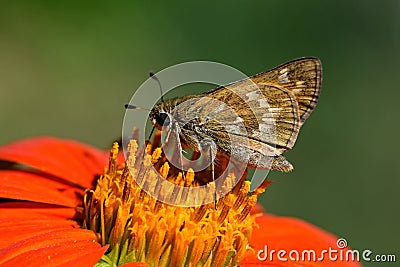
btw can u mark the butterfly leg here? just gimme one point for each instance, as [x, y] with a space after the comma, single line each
[179, 149]
[209, 149]
[213, 179]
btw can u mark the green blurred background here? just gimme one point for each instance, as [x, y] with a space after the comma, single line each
[67, 68]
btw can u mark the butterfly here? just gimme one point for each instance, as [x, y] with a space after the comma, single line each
[254, 120]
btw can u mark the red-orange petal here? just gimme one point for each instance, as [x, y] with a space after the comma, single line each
[257, 209]
[284, 233]
[25, 185]
[17, 230]
[70, 160]
[22, 210]
[66, 247]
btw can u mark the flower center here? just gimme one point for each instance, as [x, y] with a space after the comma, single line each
[139, 228]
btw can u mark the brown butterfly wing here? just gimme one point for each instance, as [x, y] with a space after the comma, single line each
[292, 92]
[269, 113]
[302, 77]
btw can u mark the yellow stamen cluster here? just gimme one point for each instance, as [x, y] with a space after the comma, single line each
[139, 228]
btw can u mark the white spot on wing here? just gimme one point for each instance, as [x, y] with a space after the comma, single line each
[296, 91]
[268, 120]
[238, 120]
[274, 109]
[282, 71]
[283, 76]
[263, 103]
[253, 95]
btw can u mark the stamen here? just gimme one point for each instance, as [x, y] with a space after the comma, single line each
[138, 227]
[242, 194]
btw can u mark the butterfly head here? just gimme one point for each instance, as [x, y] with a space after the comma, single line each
[159, 117]
[166, 112]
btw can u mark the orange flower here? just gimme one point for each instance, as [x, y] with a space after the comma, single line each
[46, 204]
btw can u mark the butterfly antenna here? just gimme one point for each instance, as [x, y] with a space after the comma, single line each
[129, 106]
[153, 75]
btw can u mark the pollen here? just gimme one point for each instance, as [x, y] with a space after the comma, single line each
[139, 228]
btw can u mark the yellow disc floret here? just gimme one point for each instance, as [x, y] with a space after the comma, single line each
[139, 228]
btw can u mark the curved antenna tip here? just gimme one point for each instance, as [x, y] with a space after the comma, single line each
[153, 75]
[128, 106]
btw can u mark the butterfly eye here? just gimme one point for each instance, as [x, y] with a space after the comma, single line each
[164, 119]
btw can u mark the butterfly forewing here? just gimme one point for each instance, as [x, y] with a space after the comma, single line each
[303, 77]
[269, 112]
